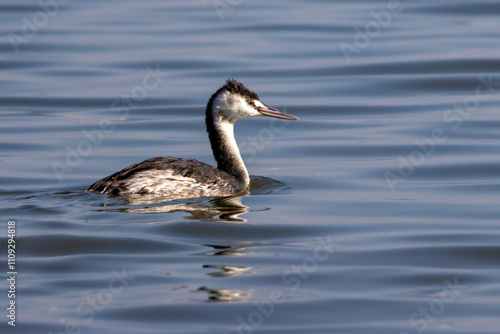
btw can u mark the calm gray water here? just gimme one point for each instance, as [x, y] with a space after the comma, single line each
[377, 212]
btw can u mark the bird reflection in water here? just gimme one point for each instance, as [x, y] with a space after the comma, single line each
[225, 295]
[223, 271]
[221, 209]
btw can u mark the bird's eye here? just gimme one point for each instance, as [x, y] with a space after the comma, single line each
[251, 103]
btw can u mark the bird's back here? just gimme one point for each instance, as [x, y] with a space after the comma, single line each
[169, 176]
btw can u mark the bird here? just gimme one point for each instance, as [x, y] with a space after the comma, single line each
[189, 178]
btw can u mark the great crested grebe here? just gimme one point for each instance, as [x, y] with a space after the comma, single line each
[185, 178]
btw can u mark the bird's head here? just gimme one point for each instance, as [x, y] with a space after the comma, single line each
[234, 101]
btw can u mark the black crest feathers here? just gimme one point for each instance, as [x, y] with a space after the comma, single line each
[237, 87]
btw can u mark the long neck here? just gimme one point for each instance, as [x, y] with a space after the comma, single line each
[225, 148]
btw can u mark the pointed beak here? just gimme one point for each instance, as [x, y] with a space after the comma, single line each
[271, 112]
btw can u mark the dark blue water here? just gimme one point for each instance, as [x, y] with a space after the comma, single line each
[377, 212]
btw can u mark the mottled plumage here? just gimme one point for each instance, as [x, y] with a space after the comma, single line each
[184, 178]
[169, 175]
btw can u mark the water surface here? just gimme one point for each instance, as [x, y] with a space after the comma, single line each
[376, 212]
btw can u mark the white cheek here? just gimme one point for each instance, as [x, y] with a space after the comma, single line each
[234, 107]
[243, 110]
[250, 112]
